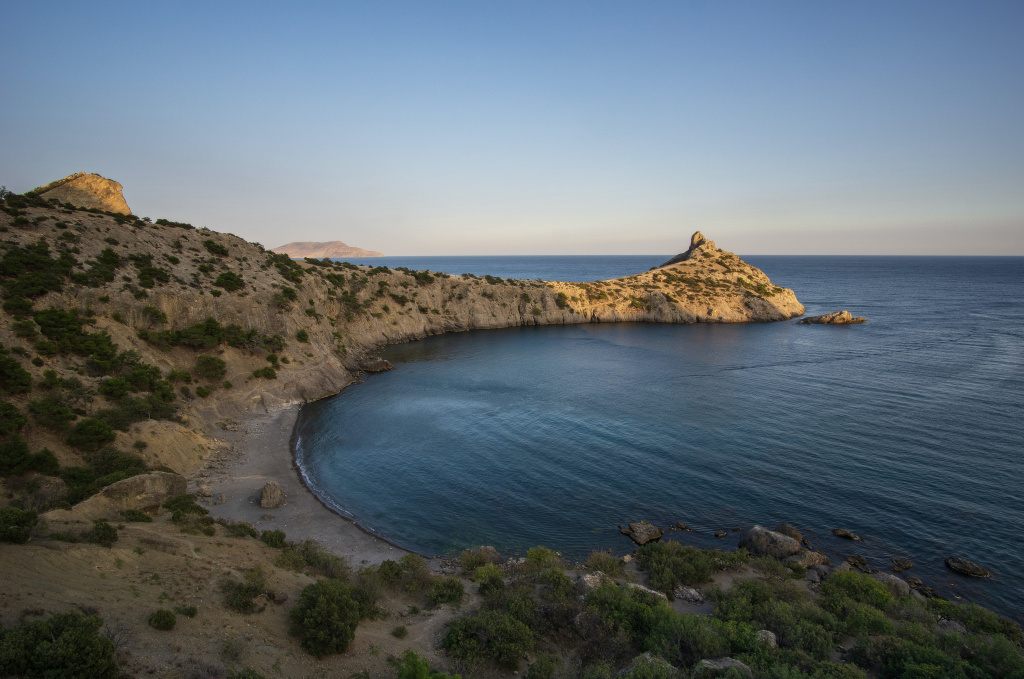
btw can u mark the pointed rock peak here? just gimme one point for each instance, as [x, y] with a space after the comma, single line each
[698, 243]
[87, 190]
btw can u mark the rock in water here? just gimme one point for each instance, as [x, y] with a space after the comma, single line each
[642, 532]
[88, 191]
[899, 564]
[849, 535]
[898, 586]
[271, 496]
[968, 568]
[835, 318]
[858, 562]
[808, 559]
[789, 531]
[760, 541]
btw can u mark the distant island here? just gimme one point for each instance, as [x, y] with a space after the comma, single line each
[331, 249]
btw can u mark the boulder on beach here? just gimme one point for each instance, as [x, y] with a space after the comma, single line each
[849, 535]
[760, 541]
[835, 318]
[271, 496]
[642, 532]
[968, 568]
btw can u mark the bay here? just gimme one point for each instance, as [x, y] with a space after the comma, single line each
[907, 430]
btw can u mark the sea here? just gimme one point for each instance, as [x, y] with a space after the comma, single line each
[907, 430]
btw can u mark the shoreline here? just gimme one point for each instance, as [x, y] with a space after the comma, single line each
[260, 451]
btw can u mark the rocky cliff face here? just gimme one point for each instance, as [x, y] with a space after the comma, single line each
[331, 249]
[87, 190]
[162, 281]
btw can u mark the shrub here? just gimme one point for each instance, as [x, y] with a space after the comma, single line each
[16, 525]
[230, 281]
[153, 315]
[14, 456]
[325, 617]
[400, 632]
[491, 579]
[102, 533]
[162, 620]
[670, 564]
[606, 563]
[90, 434]
[446, 590]
[67, 645]
[13, 378]
[203, 392]
[273, 538]
[136, 516]
[266, 373]
[313, 557]
[302, 335]
[490, 635]
[215, 248]
[241, 529]
[413, 666]
[11, 418]
[211, 367]
[51, 413]
[240, 596]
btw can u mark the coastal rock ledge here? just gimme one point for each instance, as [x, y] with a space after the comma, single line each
[843, 317]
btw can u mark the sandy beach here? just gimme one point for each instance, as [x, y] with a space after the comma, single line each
[259, 451]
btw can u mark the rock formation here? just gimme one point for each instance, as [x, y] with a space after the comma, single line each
[968, 568]
[835, 318]
[330, 249]
[87, 190]
[760, 541]
[271, 496]
[846, 534]
[641, 532]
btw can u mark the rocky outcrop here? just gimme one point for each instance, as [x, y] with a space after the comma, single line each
[272, 496]
[760, 541]
[808, 559]
[968, 568]
[87, 190]
[329, 249]
[898, 586]
[145, 492]
[642, 532]
[835, 318]
[720, 667]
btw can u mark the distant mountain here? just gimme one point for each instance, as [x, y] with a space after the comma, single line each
[332, 249]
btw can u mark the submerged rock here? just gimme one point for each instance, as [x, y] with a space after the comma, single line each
[968, 568]
[899, 565]
[642, 532]
[789, 531]
[849, 535]
[858, 562]
[760, 541]
[835, 318]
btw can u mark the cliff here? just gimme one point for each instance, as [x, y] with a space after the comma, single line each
[330, 249]
[89, 191]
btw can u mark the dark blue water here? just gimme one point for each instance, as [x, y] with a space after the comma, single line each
[907, 430]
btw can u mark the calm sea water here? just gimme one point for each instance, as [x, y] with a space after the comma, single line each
[907, 430]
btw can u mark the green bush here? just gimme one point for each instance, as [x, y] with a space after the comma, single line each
[490, 635]
[266, 373]
[314, 558]
[16, 525]
[102, 533]
[187, 611]
[90, 434]
[211, 367]
[215, 248]
[490, 578]
[400, 632]
[325, 618]
[670, 564]
[413, 666]
[67, 645]
[273, 538]
[241, 529]
[51, 413]
[162, 620]
[11, 419]
[240, 596]
[302, 335]
[13, 378]
[446, 590]
[203, 392]
[230, 281]
[135, 516]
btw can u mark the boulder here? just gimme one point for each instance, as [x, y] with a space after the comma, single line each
[858, 562]
[789, 531]
[653, 592]
[642, 532]
[968, 568]
[688, 594]
[720, 533]
[808, 559]
[898, 586]
[849, 535]
[203, 489]
[835, 318]
[271, 496]
[760, 541]
[718, 667]
[648, 665]
[682, 526]
[767, 637]
[950, 627]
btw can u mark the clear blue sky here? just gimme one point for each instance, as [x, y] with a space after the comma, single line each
[484, 127]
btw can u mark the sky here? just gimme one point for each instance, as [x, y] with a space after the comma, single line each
[503, 128]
